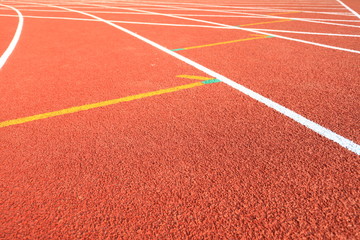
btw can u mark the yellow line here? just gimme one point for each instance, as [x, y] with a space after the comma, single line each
[252, 24]
[221, 43]
[194, 77]
[96, 105]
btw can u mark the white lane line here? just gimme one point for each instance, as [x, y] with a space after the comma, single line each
[252, 4]
[249, 14]
[62, 11]
[4, 57]
[250, 17]
[260, 12]
[348, 8]
[239, 8]
[345, 14]
[48, 17]
[189, 15]
[344, 142]
[307, 33]
[241, 28]
[117, 21]
[182, 25]
[19, 6]
[244, 13]
[290, 4]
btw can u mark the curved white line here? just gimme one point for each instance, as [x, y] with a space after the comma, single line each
[15, 39]
[327, 133]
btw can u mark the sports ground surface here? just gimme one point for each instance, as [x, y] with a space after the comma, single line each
[169, 119]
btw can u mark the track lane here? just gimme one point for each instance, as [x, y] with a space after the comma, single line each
[316, 95]
[205, 163]
[7, 31]
[327, 133]
[320, 88]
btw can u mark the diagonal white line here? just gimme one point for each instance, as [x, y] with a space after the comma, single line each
[348, 8]
[344, 142]
[307, 33]
[142, 3]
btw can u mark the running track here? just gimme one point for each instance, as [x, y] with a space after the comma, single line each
[202, 119]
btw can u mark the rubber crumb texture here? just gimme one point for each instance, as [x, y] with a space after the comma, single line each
[8, 28]
[85, 63]
[203, 163]
[205, 167]
[322, 88]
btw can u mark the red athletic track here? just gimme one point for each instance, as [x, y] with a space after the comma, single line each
[203, 163]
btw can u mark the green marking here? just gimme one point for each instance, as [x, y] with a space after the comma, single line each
[269, 37]
[211, 81]
[178, 49]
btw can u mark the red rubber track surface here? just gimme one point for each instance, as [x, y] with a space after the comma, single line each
[353, 4]
[7, 31]
[203, 163]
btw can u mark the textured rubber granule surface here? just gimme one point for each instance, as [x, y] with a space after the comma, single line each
[205, 162]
